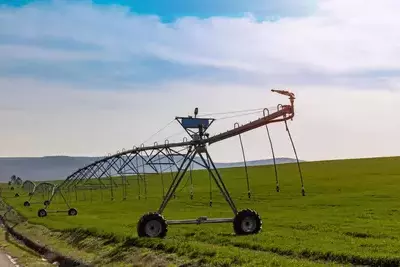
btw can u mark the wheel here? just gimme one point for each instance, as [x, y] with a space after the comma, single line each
[42, 213]
[46, 202]
[27, 204]
[152, 225]
[247, 222]
[72, 212]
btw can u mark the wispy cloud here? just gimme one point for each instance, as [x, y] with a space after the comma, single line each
[333, 41]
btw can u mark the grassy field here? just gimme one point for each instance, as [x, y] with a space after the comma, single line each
[350, 215]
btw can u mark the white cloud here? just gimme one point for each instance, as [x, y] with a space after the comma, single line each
[329, 123]
[340, 39]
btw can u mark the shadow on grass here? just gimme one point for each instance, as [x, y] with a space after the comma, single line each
[367, 235]
[128, 250]
[123, 251]
[324, 256]
[311, 255]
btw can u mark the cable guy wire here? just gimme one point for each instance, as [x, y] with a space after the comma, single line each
[163, 128]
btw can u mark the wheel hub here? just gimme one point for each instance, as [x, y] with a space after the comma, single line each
[249, 224]
[153, 228]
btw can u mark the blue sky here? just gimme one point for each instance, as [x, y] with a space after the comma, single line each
[68, 62]
[134, 66]
[170, 10]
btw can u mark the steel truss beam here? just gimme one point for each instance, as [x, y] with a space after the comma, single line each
[132, 163]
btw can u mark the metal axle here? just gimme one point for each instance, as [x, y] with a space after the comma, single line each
[57, 211]
[201, 220]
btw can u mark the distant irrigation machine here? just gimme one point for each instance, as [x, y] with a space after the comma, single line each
[28, 187]
[153, 224]
[14, 183]
[43, 189]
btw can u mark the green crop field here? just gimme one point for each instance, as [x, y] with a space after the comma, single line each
[350, 215]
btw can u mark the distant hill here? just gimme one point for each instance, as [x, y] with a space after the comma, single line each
[256, 162]
[59, 167]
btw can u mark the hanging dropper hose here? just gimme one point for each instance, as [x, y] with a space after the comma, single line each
[245, 162]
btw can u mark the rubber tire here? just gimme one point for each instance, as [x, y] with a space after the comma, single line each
[27, 204]
[46, 202]
[72, 212]
[152, 216]
[242, 215]
[42, 213]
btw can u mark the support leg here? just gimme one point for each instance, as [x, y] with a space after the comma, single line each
[218, 180]
[65, 201]
[178, 178]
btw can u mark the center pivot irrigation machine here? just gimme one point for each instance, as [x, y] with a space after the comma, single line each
[153, 224]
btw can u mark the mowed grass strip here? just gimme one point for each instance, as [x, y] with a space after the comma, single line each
[350, 213]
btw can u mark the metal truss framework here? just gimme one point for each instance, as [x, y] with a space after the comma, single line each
[162, 158]
[46, 189]
[159, 159]
[28, 186]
